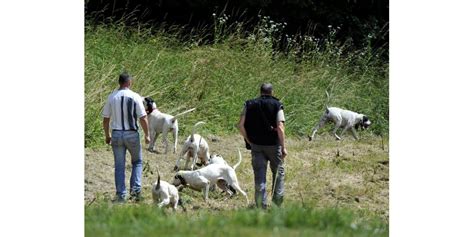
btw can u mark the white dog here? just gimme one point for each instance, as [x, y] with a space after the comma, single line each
[218, 159]
[345, 118]
[203, 178]
[159, 122]
[166, 193]
[194, 147]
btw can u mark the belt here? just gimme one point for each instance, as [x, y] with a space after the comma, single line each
[120, 130]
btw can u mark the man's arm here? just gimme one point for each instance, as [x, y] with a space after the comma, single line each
[281, 138]
[242, 128]
[105, 125]
[144, 124]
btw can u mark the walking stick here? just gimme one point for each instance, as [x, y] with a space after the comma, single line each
[274, 182]
[276, 177]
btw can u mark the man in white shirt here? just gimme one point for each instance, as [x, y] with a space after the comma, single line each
[120, 113]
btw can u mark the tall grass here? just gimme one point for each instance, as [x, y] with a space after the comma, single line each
[147, 220]
[218, 77]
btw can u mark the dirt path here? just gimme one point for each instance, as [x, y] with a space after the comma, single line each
[322, 173]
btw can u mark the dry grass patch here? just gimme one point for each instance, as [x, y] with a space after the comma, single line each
[323, 173]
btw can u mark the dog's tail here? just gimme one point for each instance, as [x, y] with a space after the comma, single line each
[240, 160]
[194, 129]
[182, 113]
[157, 187]
[327, 100]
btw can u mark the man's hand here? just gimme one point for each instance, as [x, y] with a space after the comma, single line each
[281, 138]
[144, 124]
[107, 139]
[105, 126]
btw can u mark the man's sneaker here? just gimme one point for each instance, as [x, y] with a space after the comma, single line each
[119, 200]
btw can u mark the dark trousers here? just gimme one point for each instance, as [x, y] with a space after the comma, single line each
[261, 155]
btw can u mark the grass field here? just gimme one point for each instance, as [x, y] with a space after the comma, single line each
[330, 185]
[333, 188]
[144, 220]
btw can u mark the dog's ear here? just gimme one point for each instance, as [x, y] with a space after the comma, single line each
[149, 100]
[176, 177]
[365, 118]
[149, 104]
[181, 179]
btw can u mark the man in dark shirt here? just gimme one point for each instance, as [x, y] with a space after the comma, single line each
[262, 126]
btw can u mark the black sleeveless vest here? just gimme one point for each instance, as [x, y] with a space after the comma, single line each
[259, 130]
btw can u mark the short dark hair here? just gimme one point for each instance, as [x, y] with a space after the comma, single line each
[266, 88]
[124, 78]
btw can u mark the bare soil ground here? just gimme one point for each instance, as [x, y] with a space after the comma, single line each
[322, 173]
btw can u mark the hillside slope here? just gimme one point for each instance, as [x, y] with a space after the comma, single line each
[218, 78]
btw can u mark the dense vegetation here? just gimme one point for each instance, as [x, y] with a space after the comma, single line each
[217, 78]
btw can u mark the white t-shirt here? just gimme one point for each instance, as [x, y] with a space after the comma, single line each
[124, 107]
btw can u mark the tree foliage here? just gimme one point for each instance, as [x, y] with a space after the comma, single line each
[361, 22]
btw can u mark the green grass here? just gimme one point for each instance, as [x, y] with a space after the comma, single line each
[217, 78]
[104, 219]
